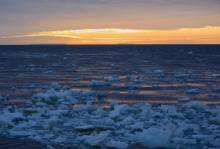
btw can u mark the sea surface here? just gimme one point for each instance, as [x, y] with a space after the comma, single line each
[159, 74]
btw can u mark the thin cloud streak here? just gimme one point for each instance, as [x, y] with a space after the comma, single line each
[136, 36]
[71, 33]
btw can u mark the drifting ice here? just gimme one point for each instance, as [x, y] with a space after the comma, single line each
[51, 119]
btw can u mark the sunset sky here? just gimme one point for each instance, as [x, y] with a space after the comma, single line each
[109, 22]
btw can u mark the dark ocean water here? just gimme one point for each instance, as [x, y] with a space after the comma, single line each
[22, 66]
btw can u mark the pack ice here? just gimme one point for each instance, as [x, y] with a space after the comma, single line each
[51, 119]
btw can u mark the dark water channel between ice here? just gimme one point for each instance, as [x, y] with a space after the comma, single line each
[182, 67]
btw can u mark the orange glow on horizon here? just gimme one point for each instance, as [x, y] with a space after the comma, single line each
[204, 35]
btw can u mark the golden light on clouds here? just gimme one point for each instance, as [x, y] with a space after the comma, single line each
[204, 35]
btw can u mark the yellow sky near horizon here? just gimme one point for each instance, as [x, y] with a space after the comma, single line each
[204, 35]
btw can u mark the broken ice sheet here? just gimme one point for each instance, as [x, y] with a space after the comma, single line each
[50, 119]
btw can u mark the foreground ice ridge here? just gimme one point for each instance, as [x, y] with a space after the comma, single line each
[50, 119]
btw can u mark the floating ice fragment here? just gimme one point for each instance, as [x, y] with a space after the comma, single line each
[157, 71]
[90, 106]
[45, 87]
[55, 86]
[216, 89]
[128, 77]
[20, 75]
[21, 133]
[138, 126]
[7, 98]
[59, 112]
[197, 106]
[76, 79]
[132, 91]
[40, 104]
[127, 120]
[192, 91]
[2, 98]
[32, 86]
[99, 83]
[154, 137]
[184, 141]
[51, 122]
[179, 76]
[47, 72]
[168, 109]
[50, 147]
[113, 64]
[29, 104]
[66, 87]
[100, 112]
[176, 115]
[138, 81]
[112, 79]
[113, 103]
[116, 75]
[210, 83]
[147, 71]
[12, 88]
[184, 99]
[213, 95]
[116, 144]
[216, 120]
[97, 139]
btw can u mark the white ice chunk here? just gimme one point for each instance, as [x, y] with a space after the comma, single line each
[213, 95]
[97, 139]
[99, 83]
[40, 104]
[32, 86]
[55, 86]
[154, 137]
[116, 144]
[137, 126]
[100, 112]
[158, 71]
[47, 72]
[50, 147]
[191, 91]
[168, 109]
[184, 141]
[216, 119]
[127, 120]
[89, 106]
[50, 123]
[197, 106]
[184, 99]
[113, 103]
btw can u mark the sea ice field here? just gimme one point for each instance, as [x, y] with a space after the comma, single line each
[110, 96]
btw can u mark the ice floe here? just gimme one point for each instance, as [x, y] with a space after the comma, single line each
[184, 99]
[51, 119]
[191, 91]
[99, 83]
